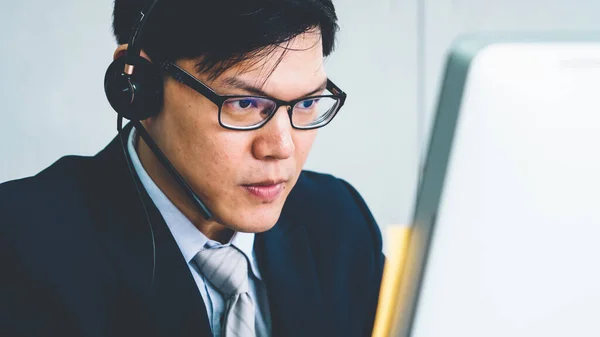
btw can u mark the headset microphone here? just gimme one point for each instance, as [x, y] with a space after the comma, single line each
[134, 88]
[172, 171]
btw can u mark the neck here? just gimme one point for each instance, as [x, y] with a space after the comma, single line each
[167, 184]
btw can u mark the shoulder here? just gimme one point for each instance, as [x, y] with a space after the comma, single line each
[45, 218]
[36, 202]
[346, 244]
[327, 195]
[53, 181]
[47, 243]
[330, 193]
[333, 213]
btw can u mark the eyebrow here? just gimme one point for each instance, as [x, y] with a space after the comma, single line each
[234, 82]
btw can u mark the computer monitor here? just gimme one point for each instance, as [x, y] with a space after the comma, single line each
[506, 236]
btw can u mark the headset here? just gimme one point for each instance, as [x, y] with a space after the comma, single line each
[134, 88]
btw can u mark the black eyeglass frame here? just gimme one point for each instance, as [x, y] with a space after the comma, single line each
[182, 76]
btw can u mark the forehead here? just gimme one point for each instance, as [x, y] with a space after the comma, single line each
[287, 71]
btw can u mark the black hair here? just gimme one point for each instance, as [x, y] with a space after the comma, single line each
[224, 33]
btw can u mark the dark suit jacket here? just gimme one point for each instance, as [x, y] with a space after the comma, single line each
[76, 258]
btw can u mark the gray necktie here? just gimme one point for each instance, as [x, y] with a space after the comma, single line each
[226, 268]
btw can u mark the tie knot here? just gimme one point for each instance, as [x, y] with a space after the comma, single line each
[225, 268]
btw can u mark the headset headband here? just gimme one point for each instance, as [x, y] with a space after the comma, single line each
[134, 48]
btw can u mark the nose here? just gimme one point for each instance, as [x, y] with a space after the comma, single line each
[274, 140]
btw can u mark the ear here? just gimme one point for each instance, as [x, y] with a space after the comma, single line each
[122, 51]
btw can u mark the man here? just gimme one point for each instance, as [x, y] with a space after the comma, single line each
[113, 245]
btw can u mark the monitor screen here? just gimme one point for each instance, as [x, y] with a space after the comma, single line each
[506, 236]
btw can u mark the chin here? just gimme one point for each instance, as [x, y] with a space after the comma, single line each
[255, 220]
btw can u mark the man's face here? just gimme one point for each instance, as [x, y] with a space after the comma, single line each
[243, 176]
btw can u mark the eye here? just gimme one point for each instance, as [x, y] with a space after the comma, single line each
[245, 103]
[309, 103]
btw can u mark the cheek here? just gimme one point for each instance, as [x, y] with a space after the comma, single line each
[303, 140]
[187, 109]
[191, 122]
[217, 158]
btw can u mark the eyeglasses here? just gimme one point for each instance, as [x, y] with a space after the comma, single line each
[244, 112]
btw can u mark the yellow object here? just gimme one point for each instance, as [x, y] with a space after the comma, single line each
[395, 265]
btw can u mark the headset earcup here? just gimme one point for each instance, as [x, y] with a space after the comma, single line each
[137, 96]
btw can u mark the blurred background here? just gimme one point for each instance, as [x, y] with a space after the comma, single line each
[389, 59]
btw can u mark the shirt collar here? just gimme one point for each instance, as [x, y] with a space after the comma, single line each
[189, 239]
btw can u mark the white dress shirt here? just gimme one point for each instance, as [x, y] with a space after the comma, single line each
[190, 241]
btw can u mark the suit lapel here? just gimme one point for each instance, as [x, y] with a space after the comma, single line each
[174, 298]
[292, 285]
[172, 302]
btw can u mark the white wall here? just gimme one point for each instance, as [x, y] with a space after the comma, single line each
[373, 141]
[55, 54]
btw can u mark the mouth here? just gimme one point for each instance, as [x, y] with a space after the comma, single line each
[266, 191]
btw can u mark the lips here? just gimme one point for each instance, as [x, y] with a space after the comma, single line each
[266, 191]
